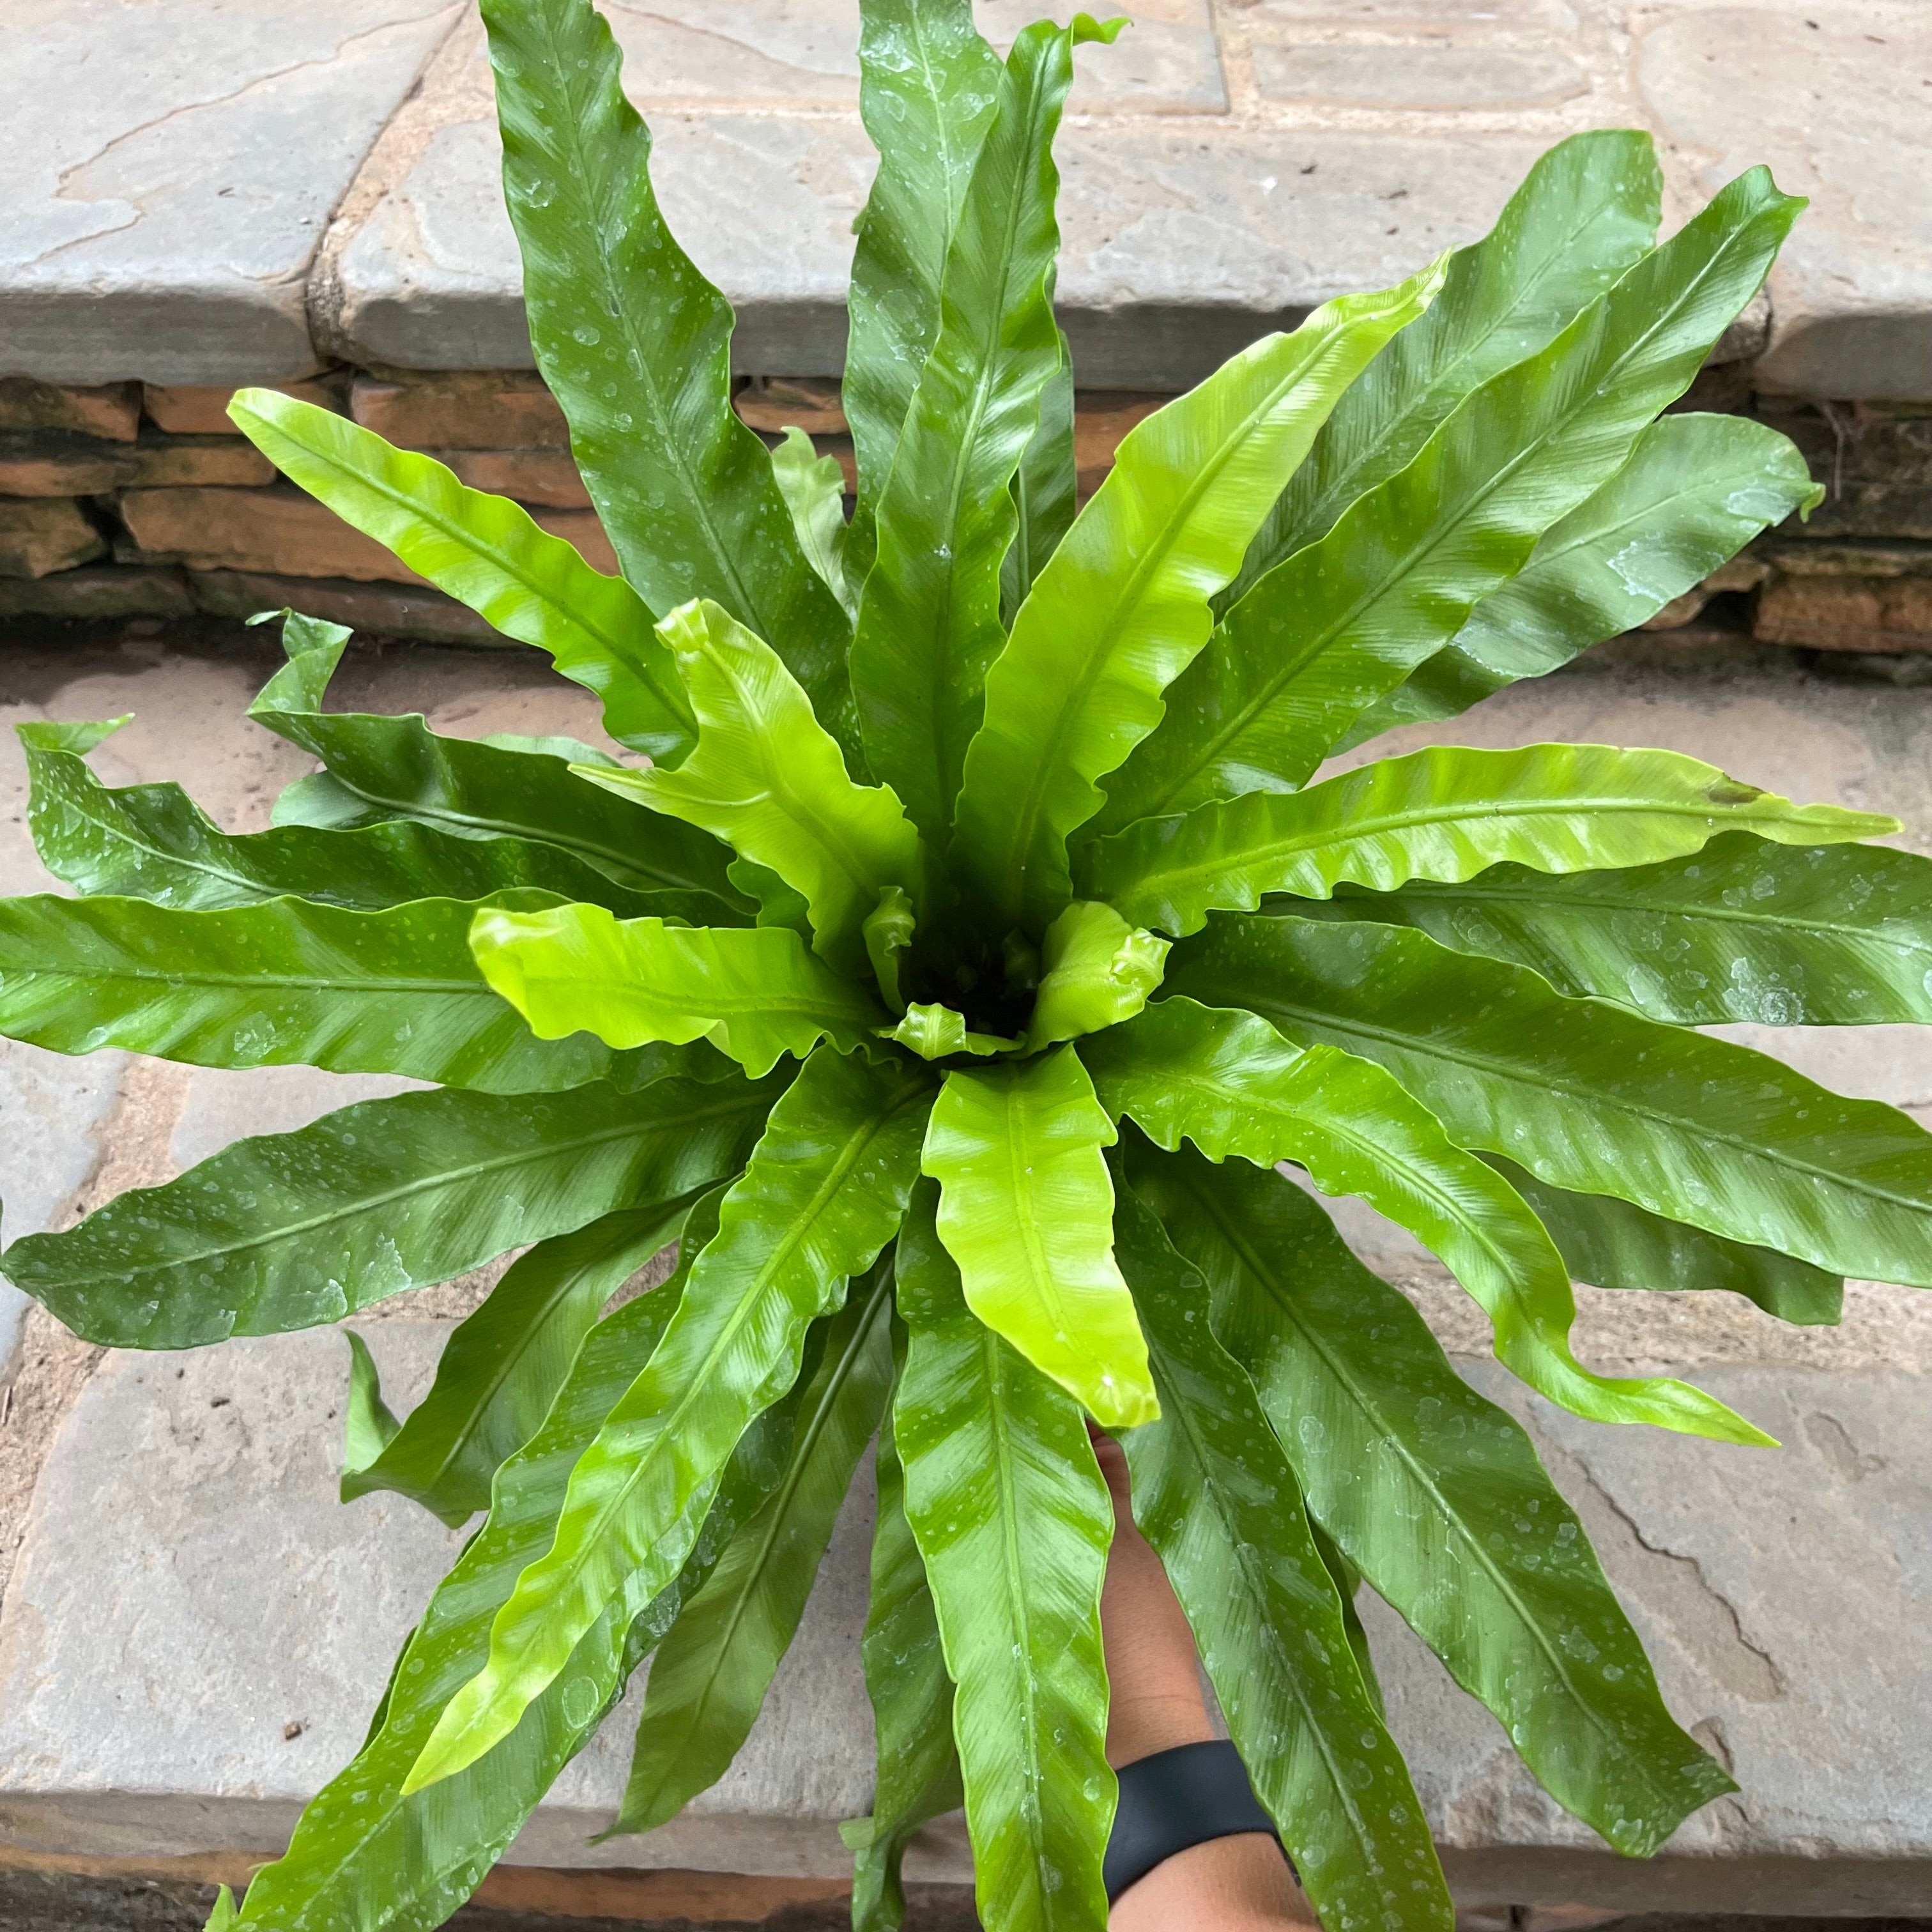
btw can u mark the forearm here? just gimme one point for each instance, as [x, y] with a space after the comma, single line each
[1238, 1884]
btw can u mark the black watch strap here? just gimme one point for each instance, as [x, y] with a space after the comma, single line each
[1174, 1799]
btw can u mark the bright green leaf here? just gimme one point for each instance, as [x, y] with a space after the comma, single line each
[1026, 1211]
[927, 86]
[368, 1427]
[1216, 1497]
[1097, 970]
[396, 768]
[363, 1856]
[685, 489]
[767, 779]
[1585, 213]
[1044, 490]
[1121, 607]
[1695, 491]
[1226, 1081]
[502, 1366]
[1340, 623]
[291, 1230]
[283, 982]
[487, 552]
[1013, 1522]
[887, 932]
[1742, 931]
[1590, 1098]
[929, 620]
[824, 1191]
[933, 1032]
[917, 1776]
[1437, 1495]
[1444, 813]
[755, 993]
[814, 488]
[711, 1672]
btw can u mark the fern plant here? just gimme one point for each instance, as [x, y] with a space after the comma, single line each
[976, 940]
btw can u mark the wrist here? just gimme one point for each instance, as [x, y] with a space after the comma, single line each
[1140, 1724]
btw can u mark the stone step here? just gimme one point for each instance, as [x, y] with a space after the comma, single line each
[147, 1679]
[238, 198]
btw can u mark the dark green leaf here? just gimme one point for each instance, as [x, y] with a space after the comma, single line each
[366, 1858]
[1348, 1582]
[152, 842]
[1776, 934]
[287, 981]
[389, 768]
[711, 1672]
[500, 1368]
[1612, 1243]
[1437, 1495]
[1216, 1499]
[1584, 213]
[1695, 491]
[824, 1191]
[1340, 623]
[1589, 1097]
[927, 84]
[918, 1766]
[635, 344]
[293, 1230]
[1044, 490]
[1226, 1081]
[1013, 1522]
[487, 552]
[929, 620]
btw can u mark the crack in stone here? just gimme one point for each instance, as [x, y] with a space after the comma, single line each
[1705, 1620]
[65, 178]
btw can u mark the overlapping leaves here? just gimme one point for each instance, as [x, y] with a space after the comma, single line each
[972, 948]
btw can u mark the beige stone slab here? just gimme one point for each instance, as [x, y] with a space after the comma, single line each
[1836, 100]
[804, 53]
[1783, 1596]
[1435, 77]
[170, 169]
